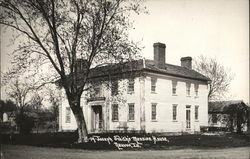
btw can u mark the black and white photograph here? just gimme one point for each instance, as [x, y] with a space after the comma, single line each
[144, 79]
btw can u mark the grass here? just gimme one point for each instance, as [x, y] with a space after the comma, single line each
[68, 140]
[28, 152]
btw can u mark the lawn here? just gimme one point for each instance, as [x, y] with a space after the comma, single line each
[128, 141]
[28, 152]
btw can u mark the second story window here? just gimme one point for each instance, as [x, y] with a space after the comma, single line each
[174, 85]
[95, 91]
[131, 112]
[115, 113]
[188, 86]
[131, 83]
[114, 87]
[196, 90]
[68, 117]
[153, 84]
[174, 112]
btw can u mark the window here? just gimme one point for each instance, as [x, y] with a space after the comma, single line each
[68, 111]
[153, 84]
[131, 83]
[188, 86]
[95, 91]
[174, 111]
[174, 84]
[131, 112]
[153, 111]
[214, 118]
[115, 113]
[114, 88]
[196, 111]
[196, 90]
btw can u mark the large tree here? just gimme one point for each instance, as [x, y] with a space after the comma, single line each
[58, 32]
[219, 75]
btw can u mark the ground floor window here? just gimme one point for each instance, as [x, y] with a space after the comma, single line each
[115, 113]
[214, 118]
[153, 111]
[196, 114]
[68, 117]
[131, 112]
[174, 112]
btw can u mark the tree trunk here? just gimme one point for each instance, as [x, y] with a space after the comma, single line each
[79, 116]
[81, 125]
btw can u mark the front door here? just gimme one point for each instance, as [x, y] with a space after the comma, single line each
[188, 117]
[97, 120]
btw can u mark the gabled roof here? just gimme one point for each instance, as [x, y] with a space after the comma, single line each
[146, 66]
[222, 106]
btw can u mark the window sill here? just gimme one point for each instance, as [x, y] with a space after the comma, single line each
[196, 120]
[115, 120]
[153, 120]
[196, 97]
[131, 92]
[174, 121]
[131, 120]
[174, 94]
[153, 92]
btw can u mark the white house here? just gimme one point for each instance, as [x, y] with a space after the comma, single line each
[145, 96]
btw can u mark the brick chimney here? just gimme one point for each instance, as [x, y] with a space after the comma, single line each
[159, 55]
[186, 62]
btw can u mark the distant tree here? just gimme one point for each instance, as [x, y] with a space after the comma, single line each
[60, 32]
[24, 93]
[7, 106]
[219, 75]
[54, 99]
[238, 117]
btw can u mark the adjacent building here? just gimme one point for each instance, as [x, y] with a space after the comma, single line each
[144, 96]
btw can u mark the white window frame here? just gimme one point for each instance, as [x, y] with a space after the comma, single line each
[188, 89]
[115, 114]
[153, 84]
[196, 112]
[68, 115]
[131, 115]
[174, 112]
[174, 87]
[131, 85]
[154, 112]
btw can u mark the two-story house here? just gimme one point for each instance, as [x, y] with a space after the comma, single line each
[145, 96]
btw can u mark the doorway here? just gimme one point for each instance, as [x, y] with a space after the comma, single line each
[188, 117]
[97, 118]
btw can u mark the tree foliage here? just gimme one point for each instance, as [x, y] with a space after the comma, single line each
[219, 75]
[238, 117]
[60, 32]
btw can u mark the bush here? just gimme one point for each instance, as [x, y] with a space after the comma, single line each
[25, 123]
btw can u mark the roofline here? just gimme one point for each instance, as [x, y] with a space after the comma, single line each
[164, 73]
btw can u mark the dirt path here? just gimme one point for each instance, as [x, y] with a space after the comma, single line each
[30, 152]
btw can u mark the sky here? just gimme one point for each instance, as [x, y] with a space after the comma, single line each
[214, 28]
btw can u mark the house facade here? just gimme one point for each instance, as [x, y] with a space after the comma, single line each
[144, 96]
